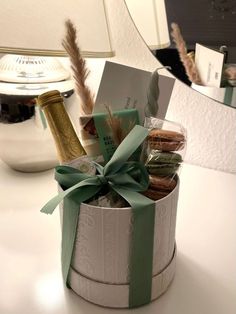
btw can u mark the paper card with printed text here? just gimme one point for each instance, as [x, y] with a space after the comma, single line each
[125, 87]
[209, 63]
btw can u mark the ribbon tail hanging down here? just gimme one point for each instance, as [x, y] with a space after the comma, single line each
[141, 257]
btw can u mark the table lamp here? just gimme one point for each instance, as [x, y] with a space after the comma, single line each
[30, 35]
[37, 30]
[149, 16]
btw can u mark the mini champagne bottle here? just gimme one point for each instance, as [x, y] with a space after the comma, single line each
[69, 149]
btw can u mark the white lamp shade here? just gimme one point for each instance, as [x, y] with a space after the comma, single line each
[149, 16]
[38, 27]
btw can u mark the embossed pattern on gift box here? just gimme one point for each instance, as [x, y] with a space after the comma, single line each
[117, 296]
[102, 246]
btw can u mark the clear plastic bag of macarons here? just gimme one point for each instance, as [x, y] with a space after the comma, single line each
[162, 154]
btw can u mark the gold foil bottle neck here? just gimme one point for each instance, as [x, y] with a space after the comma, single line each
[67, 143]
[50, 97]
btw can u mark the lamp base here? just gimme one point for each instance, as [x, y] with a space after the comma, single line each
[26, 147]
[26, 143]
[31, 69]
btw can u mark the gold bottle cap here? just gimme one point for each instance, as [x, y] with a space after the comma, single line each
[191, 55]
[52, 96]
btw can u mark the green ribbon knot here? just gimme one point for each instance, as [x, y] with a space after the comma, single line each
[127, 178]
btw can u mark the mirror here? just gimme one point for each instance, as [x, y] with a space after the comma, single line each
[210, 23]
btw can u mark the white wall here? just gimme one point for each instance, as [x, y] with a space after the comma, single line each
[211, 126]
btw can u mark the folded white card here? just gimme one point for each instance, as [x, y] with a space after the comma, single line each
[209, 63]
[125, 87]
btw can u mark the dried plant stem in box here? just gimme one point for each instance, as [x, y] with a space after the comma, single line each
[78, 66]
[115, 125]
[185, 57]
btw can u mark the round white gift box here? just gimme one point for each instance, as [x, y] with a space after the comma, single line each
[99, 270]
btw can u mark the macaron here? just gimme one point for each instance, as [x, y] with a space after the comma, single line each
[163, 163]
[162, 183]
[157, 157]
[166, 140]
[159, 187]
[163, 169]
[154, 194]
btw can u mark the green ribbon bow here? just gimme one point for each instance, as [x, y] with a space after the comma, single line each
[127, 178]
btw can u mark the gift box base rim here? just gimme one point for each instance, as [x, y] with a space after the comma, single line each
[118, 295]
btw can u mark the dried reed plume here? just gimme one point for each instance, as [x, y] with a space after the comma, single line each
[78, 66]
[115, 125]
[185, 57]
[230, 72]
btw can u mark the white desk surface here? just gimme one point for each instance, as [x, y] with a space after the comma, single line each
[205, 280]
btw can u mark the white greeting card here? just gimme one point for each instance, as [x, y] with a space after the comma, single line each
[125, 87]
[209, 63]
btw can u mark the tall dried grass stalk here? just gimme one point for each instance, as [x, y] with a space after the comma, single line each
[186, 58]
[115, 125]
[78, 66]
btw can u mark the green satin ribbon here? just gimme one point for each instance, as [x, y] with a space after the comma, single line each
[228, 95]
[42, 117]
[127, 178]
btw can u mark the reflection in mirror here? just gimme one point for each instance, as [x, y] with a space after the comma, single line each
[211, 24]
[150, 19]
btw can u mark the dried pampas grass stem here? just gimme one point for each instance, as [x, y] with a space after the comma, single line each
[115, 125]
[185, 57]
[78, 66]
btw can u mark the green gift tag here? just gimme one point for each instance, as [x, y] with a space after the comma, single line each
[128, 119]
